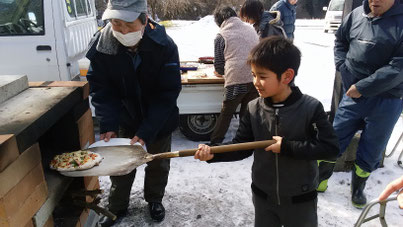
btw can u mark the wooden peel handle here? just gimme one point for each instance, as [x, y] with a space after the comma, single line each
[230, 147]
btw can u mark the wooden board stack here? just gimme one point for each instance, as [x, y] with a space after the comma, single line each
[38, 120]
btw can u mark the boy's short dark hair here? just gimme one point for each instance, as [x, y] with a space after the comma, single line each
[276, 54]
[252, 9]
[223, 13]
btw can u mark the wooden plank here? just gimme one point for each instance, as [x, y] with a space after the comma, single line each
[83, 218]
[17, 196]
[90, 183]
[11, 86]
[17, 170]
[49, 222]
[31, 113]
[57, 186]
[8, 150]
[86, 129]
[30, 207]
[202, 76]
[207, 80]
[29, 224]
[85, 87]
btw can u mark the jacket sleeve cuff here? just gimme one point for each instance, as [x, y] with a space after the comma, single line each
[286, 148]
[105, 127]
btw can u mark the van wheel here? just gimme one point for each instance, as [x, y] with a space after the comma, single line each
[198, 127]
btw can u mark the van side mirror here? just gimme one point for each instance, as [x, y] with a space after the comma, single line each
[324, 8]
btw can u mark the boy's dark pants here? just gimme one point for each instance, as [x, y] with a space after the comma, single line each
[228, 109]
[155, 180]
[288, 214]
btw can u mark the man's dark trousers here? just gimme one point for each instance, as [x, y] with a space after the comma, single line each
[155, 180]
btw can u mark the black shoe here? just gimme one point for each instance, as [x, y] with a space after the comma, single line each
[357, 190]
[106, 221]
[157, 211]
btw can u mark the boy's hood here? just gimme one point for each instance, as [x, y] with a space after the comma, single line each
[272, 17]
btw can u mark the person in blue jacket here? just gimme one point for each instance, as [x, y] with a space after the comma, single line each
[134, 82]
[368, 53]
[288, 15]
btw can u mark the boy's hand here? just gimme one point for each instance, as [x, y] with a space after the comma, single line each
[275, 148]
[203, 153]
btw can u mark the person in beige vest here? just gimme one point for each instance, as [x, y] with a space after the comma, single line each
[231, 49]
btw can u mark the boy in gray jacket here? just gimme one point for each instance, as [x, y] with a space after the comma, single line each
[285, 174]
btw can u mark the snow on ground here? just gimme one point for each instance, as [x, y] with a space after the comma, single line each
[206, 195]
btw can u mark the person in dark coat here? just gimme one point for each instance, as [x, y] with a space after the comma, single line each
[368, 53]
[266, 23]
[134, 82]
[288, 15]
[285, 174]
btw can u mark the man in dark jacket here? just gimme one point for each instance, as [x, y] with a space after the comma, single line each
[288, 15]
[135, 81]
[369, 55]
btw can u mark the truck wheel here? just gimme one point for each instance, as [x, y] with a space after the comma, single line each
[198, 127]
[326, 31]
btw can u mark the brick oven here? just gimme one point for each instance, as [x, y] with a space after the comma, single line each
[37, 121]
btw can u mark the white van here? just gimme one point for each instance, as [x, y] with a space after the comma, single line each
[44, 39]
[334, 15]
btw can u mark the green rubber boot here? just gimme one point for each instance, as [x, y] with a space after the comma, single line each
[325, 172]
[359, 178]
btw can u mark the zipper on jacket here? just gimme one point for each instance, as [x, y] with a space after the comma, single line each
[276, 156]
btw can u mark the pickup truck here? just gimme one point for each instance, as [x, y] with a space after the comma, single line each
[45, 39]
[199, 102]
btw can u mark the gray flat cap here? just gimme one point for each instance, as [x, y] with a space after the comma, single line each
[126, 10]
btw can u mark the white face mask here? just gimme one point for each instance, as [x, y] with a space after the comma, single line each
[129, 39]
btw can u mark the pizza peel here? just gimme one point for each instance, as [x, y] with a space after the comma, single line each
[122, 159]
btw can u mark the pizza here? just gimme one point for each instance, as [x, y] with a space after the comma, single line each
[77, 160]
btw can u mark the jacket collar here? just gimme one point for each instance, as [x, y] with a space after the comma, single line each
[288, 4]
[153, 33]
[294, 97]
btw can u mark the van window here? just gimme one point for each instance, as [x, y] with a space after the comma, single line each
[336, 5]
[78, 8]
[21, 17]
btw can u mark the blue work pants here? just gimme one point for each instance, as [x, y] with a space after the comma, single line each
[376, 116]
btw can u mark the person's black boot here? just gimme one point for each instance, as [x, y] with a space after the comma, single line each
[357, 187]
[325, 172]
[106, 221]
[157, 211]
